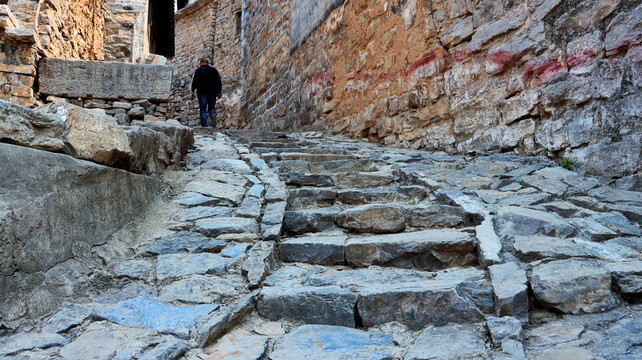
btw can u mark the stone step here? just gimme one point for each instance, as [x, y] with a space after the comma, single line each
[296, 149]
[313, 196]
[423, 250]
[365, 179]
[275, 144]
[384, 194]
[314, 157]
[375, 296]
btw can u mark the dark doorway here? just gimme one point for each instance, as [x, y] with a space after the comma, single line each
[160, 27]
[182, 3]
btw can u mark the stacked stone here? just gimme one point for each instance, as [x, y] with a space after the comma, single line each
[455, 76]
[124, 30]
[124, 111]
[17, 60]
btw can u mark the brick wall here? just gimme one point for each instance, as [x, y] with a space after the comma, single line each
[533, 77]
[195, 29]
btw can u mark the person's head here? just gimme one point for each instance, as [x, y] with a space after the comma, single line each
[204, 61]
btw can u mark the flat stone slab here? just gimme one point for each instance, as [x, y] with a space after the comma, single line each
[586, 286]
[448, 342]
[509, 290]
[410, 194]
[413, 298]
[533, 248]
[181, 242]
[321, 250]
[237, 345]
[231, 193]
[231, 165]
[226, 225]
[303, 179]
[364, 177]
[200, 212]
[12, 345]
[319, 342]
[69, 317]
[178, 265]
[201, 289]
[149, 313]
[315, 196]
[377, 218]
[429, 249]
[191, 199]
[328, 305]
[308, 221]
[513, 220]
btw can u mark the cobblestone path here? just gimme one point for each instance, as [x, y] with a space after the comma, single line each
[305, 246]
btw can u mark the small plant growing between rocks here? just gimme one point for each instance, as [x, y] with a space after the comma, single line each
[567, 163]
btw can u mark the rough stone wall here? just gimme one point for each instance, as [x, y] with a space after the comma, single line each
[18, 58]
[226, 58]
[125, 24]
[195, 32]
[533, 76]
[67, 29]
[267, 101]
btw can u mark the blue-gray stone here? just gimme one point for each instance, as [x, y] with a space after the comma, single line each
[190, 199]
[149, 313]
[200, 212]
[169, 350]
[177, 265]
[322, 250]
[226, 225]
[236, 250]
[69, 317]
[24, 341]
[448, 342]
[256, 191]
[322, 342]
[181, 242]
[618, 223]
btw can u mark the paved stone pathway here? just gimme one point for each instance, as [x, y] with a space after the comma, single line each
[304, 246]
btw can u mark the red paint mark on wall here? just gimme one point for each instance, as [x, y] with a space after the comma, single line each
[499, 61]
[545, 71]
[580, 57]
[316, 84]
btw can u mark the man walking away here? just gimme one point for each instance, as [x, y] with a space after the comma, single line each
[208, 86]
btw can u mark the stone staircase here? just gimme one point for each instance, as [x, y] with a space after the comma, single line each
[303, 246]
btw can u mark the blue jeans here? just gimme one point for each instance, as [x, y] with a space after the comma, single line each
[207, 103]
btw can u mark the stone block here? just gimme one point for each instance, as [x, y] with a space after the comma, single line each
[27, 127]
[373, 218]
[509, 290]
[321, 250]
[104, 80]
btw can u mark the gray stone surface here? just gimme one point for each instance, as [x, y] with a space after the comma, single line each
[573, 286]
[305, 197]
[250, 208]
[504, 328]
[152, 152]
[427, 250]
[437, 216]
[231, 193]
[322, 250]
[104, 80]
[191, 199]
[31, 128]
[58, 204]
[363, 176]
[168, 350]
[306, 221]
[226, 318]
[533, 248]
[133, 269]
[512, 220]
[627, 278]
[489, 246]
[328, 305]
[149, 313]
[237, 345]
[15, 344]
[69, 317]
[181, 242]
[273, 213]
[214, 227]
[178, 265]
[230, 165]
[200, 212]
[448, 342]
[302, 179]
[318, 342]
[200, 289]
[509, 290]
[260, 262]
[373, 219]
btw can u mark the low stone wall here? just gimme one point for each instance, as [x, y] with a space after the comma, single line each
[104, 80]
[124, 111]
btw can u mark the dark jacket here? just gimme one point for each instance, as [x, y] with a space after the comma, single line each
[207, 81]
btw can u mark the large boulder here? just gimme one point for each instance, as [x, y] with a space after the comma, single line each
[92, 134]
[151, 151]
[181, 136]
[27, 127]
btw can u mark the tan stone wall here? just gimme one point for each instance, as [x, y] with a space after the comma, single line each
[124, 34]
[67, 29]
[195, 32]
[532, 76]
